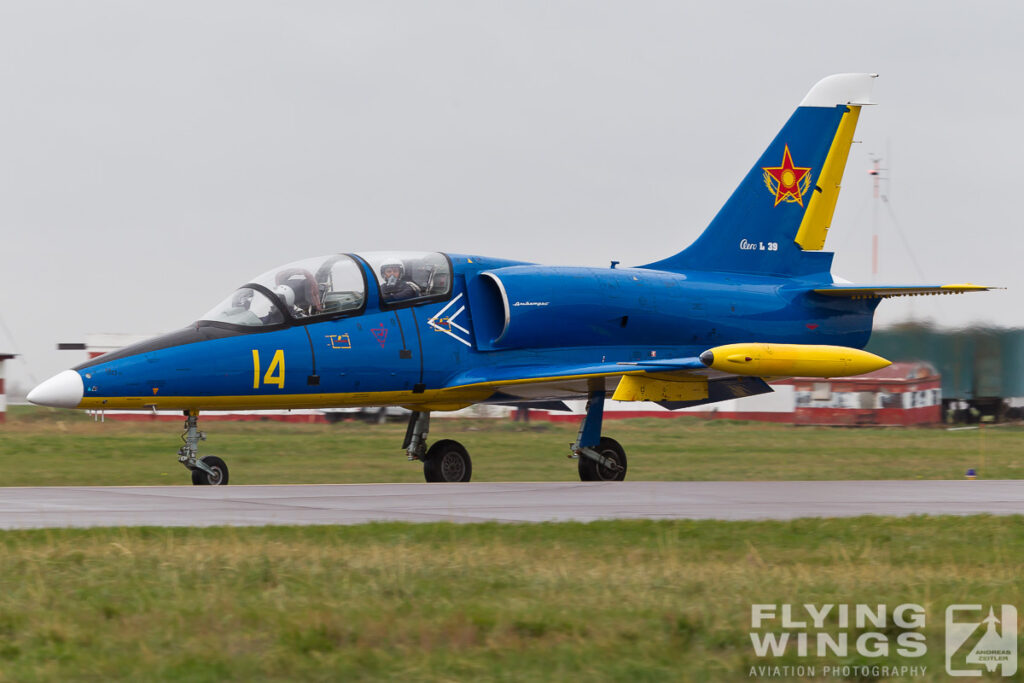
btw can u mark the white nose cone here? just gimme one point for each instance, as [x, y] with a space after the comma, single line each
[60, 391]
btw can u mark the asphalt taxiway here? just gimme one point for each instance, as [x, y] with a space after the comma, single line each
[87, 506]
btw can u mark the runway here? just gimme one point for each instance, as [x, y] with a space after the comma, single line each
[77, 506]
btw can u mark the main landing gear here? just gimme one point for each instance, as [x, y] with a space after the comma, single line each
[445, 461]
[208, 470]
[600, 458]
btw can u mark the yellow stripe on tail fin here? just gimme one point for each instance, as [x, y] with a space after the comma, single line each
[815, 224]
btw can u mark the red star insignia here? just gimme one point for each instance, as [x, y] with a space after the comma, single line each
[787, 182]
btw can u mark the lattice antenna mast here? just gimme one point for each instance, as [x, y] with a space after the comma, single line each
[876, 176]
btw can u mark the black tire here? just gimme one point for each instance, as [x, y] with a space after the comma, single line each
[447, 461]
[592, 471]
[201, 478]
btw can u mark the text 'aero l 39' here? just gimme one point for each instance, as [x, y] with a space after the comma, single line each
[752, 298]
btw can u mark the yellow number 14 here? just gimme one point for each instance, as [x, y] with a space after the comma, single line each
[275, 373]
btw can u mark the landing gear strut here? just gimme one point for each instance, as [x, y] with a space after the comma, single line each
[600, 458]
[445, 461]
[208, 470]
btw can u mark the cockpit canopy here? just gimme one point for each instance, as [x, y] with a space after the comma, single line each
[333, 285]
[409, 276]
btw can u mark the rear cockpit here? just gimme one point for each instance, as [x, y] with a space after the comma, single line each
[334, 286]
[406, 277]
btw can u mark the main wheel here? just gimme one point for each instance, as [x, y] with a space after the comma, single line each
[593, 471]
[220, 476]
[447, 460]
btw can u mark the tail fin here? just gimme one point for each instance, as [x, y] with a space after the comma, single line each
[776, 221]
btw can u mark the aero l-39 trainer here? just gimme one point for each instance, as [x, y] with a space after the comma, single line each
[752, 298]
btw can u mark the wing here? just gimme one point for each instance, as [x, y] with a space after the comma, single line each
[889, 291]
[672, 382]
[719, 373]
[574, 380]
[567, 373]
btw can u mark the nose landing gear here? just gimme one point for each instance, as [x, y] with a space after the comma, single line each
[208, 470]
[215, 472]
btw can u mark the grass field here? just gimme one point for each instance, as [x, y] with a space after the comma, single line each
[628, 601]
[615, 601]
[53, 447]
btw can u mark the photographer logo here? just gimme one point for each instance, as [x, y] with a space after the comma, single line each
[976, 643]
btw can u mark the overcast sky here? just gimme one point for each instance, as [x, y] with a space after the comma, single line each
[155, 155]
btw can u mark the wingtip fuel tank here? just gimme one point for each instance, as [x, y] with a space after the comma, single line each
[791, 360]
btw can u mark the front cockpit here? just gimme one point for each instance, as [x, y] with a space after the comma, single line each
[334, 286]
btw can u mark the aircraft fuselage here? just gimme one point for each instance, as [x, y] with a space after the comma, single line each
[498, 312]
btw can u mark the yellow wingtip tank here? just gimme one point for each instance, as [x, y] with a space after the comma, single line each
[791, 360]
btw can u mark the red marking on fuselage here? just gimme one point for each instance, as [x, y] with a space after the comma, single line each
[380, 334]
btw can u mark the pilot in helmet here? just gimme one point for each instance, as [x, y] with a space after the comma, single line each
[394, 286]
[287, 296]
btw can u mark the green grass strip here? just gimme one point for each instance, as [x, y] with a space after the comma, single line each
[53, 447]
[615, 601]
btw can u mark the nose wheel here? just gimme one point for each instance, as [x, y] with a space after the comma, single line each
[208, 470]
[216, 473]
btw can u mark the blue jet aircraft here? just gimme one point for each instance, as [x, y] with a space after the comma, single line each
[752, 298]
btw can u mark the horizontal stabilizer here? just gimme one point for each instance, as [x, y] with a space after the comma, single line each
[890, 291]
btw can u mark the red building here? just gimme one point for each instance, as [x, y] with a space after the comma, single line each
[901, 394]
